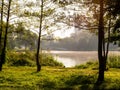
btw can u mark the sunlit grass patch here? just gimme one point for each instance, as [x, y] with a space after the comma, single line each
[50, 78]
[23, 76]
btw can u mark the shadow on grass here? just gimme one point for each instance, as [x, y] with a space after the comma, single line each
[88, 82]
[78, 82]
[72, 82]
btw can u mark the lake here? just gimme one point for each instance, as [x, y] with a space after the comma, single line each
[72, 58]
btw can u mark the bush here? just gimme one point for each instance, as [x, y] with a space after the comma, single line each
[48, 60]
[19, 59]
[28, 59]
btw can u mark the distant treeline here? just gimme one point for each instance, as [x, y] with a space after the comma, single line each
[80, 41]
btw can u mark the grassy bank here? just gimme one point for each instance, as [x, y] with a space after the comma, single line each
[112, 62]
[25, 78]
[19, 73]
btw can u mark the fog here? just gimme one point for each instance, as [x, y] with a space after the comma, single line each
[79, 41]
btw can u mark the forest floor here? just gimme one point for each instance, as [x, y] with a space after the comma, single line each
[56, 78]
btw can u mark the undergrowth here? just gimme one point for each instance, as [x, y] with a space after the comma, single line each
[29, 59]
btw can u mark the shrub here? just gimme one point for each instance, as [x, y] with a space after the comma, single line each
[48, 60]
[19, 59]
[28, 59]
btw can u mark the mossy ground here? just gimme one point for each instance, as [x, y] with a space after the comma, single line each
[50, 78]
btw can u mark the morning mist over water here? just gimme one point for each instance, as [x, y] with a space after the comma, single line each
[73, 58]
[80, 48]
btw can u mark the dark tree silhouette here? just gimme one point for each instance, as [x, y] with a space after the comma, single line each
[100, 45]
[3, 53]
[39, 40]
[1, 30]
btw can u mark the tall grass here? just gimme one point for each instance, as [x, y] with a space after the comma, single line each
[28, 59]
[48, 60]
[114, 61]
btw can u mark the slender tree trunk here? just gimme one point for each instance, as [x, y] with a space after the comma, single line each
[0, 66]
[107, 49]
[1, 24]
[100, 45]
[102, 48]
[3, 54]
[1, 30]
[39, 40]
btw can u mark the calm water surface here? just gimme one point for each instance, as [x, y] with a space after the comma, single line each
[72, 58]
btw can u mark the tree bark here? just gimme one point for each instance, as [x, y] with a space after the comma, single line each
[1, 24]
[100, 45]
[1, 30]
[0, 66]
[107, 48]
[3, 53]
[39, 39]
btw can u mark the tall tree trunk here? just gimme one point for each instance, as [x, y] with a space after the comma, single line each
[102, 48]
[1, 24]
[100, 45]
[1, 30]
[107, 48]
[39, 39]
[3, 53]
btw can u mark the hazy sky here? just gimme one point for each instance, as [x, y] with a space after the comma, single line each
[61, 30]
[64, 33]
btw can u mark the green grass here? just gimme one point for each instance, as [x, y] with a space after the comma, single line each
[89, 65]
[50, 78]
[19, 73]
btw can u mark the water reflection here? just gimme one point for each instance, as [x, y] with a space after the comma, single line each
[68, 62]
[72, 58]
